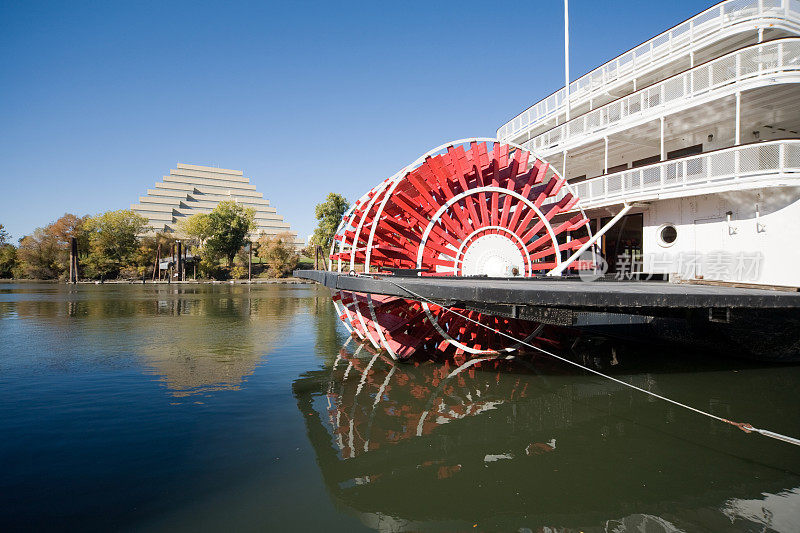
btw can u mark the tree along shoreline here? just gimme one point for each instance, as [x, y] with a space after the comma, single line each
[119, 245]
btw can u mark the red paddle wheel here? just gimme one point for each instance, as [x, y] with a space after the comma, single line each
[475, 207]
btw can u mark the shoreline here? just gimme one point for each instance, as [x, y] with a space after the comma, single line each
[265, 281]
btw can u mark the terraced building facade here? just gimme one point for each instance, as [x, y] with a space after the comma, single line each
[192, 189]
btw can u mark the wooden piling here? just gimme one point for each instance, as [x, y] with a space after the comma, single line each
[157, 268]
[179, 264]
[319, 257]
[73, 260]
[171, 271]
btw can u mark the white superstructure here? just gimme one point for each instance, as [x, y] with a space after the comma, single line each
[191, 189]
[696, 131]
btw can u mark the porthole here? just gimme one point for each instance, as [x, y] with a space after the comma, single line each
[667, 235]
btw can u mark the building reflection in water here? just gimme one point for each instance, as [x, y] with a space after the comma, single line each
[195, 338]
[214, 343]
[526, 443]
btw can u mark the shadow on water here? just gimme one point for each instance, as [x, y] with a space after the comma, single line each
[532, 442]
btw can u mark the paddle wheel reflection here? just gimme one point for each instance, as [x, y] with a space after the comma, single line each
[372, 403]
[515, 441]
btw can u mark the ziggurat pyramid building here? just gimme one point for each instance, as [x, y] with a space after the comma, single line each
[192, 189]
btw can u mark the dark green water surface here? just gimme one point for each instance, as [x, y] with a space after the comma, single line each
[246, 408]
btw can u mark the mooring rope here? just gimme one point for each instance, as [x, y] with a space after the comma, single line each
[744, 426]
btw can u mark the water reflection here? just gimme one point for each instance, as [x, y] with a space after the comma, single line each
[92, 440]
[213, 344]
[526, 443]
[195, 338]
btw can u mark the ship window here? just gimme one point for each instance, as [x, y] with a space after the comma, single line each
[667, 235]
[646, 161]
[683, 152]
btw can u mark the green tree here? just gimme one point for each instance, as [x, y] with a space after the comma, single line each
[69, 226]
[63, 230]
[40, 255]
[113, 241]
[148, 249]
[279, 253]
[45, 253]
[228, 226]
[329, 213]
[8, 255]
[8, 260]
[196, 227]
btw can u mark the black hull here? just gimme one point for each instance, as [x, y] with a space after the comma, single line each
[770, 335]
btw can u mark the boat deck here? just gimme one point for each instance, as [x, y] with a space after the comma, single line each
[636, 297]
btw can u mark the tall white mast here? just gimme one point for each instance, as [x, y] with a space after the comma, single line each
[566, 53]
[566, 76]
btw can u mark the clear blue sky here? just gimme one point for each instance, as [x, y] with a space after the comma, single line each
[99, 100]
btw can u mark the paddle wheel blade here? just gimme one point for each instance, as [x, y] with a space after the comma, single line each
[475, 207]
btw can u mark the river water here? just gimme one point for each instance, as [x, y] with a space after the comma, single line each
[243, 408]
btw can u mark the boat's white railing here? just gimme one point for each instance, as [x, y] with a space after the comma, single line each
[722, 168]
[721, 75]
[713, 23]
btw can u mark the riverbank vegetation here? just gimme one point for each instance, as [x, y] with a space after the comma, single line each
[329, 213]
[119, 244]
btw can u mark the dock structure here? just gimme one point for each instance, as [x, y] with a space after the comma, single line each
[754, 323]
[653, 298]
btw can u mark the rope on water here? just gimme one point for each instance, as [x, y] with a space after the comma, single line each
[744, 426]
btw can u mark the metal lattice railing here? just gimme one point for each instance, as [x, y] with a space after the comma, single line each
[759, 61]
[739, 164]
[690, 35]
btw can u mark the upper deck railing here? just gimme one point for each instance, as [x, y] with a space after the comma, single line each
[728, 169]
[768, 61]
[689, 35]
